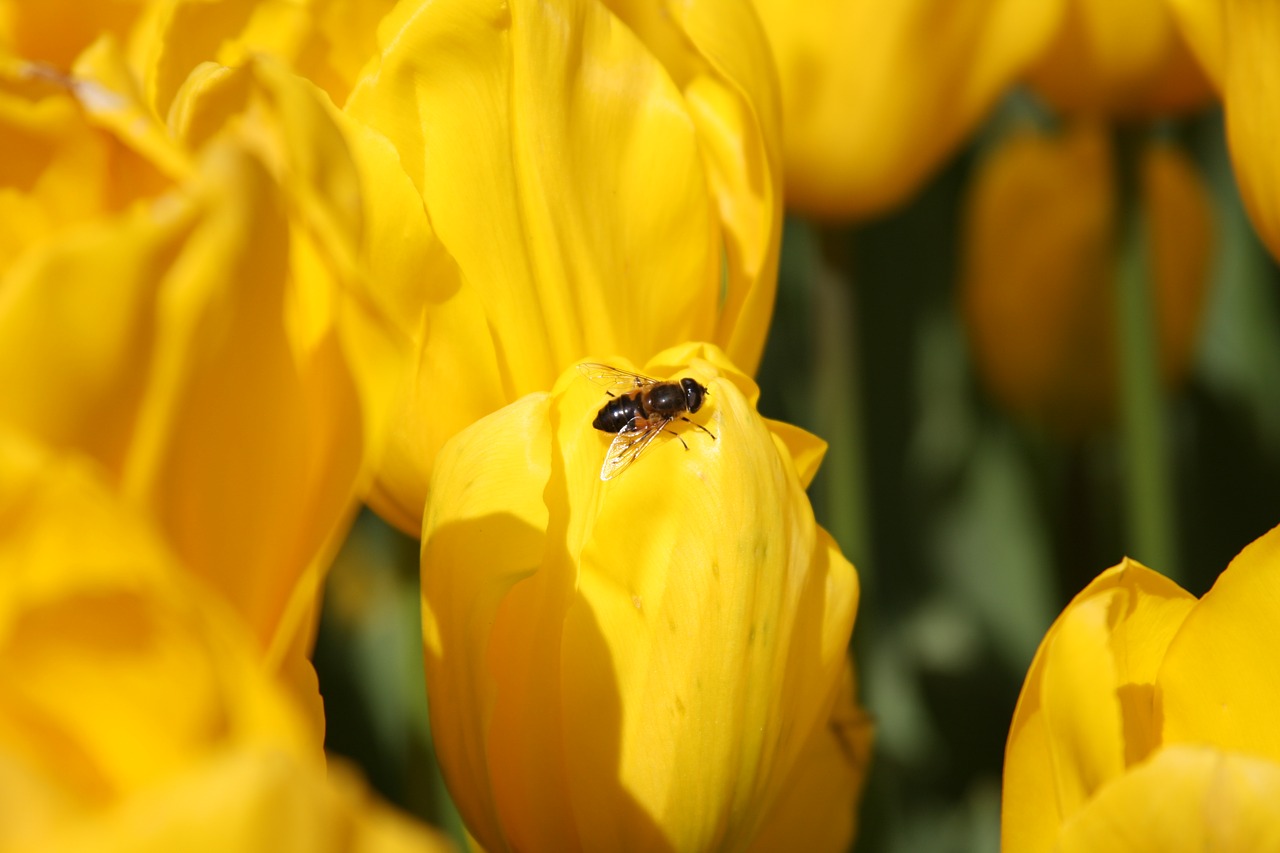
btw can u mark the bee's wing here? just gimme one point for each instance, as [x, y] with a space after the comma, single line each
[627, 446]
[614, 379]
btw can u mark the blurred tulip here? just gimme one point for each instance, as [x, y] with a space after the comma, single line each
[1236, 40]
[1147, 719]
[559, 178]
[135, 713]
[202, 331]
[877, 95]
[646, 663]
[1040, 265]
[1124, 60]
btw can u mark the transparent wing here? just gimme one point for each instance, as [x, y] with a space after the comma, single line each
[614, 379]
[627, 446]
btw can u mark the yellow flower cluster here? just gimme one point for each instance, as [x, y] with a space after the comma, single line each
[261, 261]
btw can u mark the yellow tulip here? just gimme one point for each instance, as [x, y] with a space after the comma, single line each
[1236, 39]
[1147, 719]
[1039, 289]
[135, 713]
[203, 332]
[651, 662]
[1126, 60]
[877, 95]
[558, 178]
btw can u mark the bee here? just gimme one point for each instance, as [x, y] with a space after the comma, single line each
[640, 408]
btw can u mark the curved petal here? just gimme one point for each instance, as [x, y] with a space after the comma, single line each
[1250, 85]
[118, 669]
[817, 810]
[498, 504]
[1217, 681]
[1184, 799]
[718, 56]
[54, 32]
[1087, 710]
[866, 126]
[701, 584]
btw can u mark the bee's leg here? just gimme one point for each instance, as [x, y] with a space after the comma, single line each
[699, 426]
[663, 428]
[611, 394]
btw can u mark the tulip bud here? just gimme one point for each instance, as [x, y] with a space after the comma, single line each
[1149, 715]
[636, 663]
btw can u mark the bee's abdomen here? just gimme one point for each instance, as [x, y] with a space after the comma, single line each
[617, 414]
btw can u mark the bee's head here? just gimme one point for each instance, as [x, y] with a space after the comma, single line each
[693, 393]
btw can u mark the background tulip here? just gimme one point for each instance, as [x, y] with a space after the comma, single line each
[577, 631]
[1042, 262]
[1123, 60]
[877, 96]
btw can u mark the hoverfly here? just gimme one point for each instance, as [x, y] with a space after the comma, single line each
[641, 407]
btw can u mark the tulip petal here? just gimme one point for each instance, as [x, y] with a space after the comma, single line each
[117, 669]
[1251, 84]
[496, 107]
[1087, 707]
[817, 810]
[1185, 798]
[866, 126]
[1218, 680]
[731, 93]
[732, 566]
[464, 598]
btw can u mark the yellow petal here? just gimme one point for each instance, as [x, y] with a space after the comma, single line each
[1217, 680]
[1186, 798]
[497, 502]
[1250, 83]
[55, 31]
[611, 719]
[1040, 265]
[732, 96]
[1125, 59]
[58, 170]
[1086, 711]
[118, 669]
[866, 126]
[553, 153]
[818, 808]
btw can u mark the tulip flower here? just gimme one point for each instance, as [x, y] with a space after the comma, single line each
[135, 712]
[649, 662]
[1235, 40]
[1040, 265]
[877, 95]
[1147, 719]
[1124, 60]
[558, 178]
[201, 331]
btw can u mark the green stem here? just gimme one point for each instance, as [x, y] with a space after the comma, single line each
[1145, 441]
[838, 392]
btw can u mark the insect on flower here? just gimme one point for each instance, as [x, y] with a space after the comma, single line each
[641, 407]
